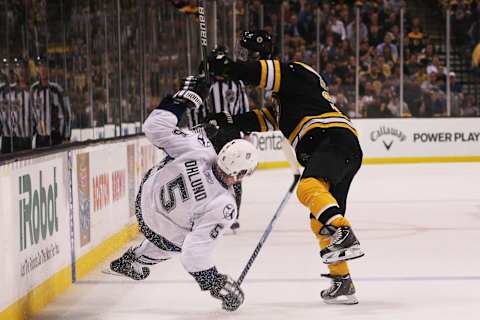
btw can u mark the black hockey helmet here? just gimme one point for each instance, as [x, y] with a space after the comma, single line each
[254, 45]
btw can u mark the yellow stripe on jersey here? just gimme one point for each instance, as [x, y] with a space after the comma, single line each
[321, 116]
[278, 75]
[306, 66]
[263, 74]
[270, 118]
[319, 122]
[261, 120]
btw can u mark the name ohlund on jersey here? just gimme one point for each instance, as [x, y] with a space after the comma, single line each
[195, 182]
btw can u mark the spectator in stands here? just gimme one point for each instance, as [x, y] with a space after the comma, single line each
[367, 97]
[352, 32]
[435, 66]
[470, 107]
[416, 41]
[416, 25]
[455, 86]
[387, 42]
[375, 37]
[428, 52]
[474, 33]
[378, 108]
[328, 73]
[388, 55]
[460, 22]
[434, 97]
[292, 27]
[412, 96]
[337, 27]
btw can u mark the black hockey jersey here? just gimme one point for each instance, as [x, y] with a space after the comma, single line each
[304, 101]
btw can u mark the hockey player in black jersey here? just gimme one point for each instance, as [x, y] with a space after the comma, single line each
[325, 142]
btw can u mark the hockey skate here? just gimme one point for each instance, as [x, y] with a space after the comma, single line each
[344, 246]
[235, 226]
[341, 291]
[127, 265]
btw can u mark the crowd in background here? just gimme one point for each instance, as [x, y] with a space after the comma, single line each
[379, 50]
[115, 59]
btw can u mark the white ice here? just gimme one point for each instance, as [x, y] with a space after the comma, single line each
[418, 224]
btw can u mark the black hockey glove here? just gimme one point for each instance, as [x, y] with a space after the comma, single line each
[193, 91]
[229, 292]
[220, 65]
[221, 287]
[220, 119]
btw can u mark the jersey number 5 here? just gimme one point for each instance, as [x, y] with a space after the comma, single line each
[216, 230]
[169, 202]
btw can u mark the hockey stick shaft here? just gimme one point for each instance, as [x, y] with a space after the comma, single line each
[202, 19]
[290, 155]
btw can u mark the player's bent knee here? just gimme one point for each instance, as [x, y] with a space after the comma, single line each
[315, 195]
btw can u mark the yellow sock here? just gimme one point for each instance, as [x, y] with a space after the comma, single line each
[315, 195]
[336, 269]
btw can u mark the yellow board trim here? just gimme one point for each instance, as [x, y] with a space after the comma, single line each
[374, 161]
[278, 76]
[37, 298]
[90, 260]
[263, 74]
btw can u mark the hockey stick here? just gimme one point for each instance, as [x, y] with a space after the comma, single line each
[202, 20]
[292, 160]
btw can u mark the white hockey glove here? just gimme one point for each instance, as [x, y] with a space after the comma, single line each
[192, 91]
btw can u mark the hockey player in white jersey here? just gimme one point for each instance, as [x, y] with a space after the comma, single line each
[186, 202]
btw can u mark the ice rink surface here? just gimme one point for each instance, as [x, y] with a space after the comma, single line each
[419, 225]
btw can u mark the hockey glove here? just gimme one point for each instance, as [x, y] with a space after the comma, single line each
[220, 65]
[229, 292]
[192, 91]
[220, 119]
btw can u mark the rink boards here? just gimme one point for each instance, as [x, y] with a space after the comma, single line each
[63, 213]
[397, 141]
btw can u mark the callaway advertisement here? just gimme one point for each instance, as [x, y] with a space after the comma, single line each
[419, 138]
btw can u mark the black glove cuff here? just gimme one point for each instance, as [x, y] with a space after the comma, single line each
[169, 104]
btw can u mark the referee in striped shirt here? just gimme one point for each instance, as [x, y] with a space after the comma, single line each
[225, 95]
[51, 110]
[15, 114]
[229, 96]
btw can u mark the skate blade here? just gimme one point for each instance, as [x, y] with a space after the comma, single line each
[343, 255]
[342, 300]
[109, 271]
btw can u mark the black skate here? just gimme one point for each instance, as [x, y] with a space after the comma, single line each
[344, 246]
[341, 291]
[128, 266]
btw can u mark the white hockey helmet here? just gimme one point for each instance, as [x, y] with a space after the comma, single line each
[238, 159]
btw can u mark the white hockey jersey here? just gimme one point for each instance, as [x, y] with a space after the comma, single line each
[183, 201]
